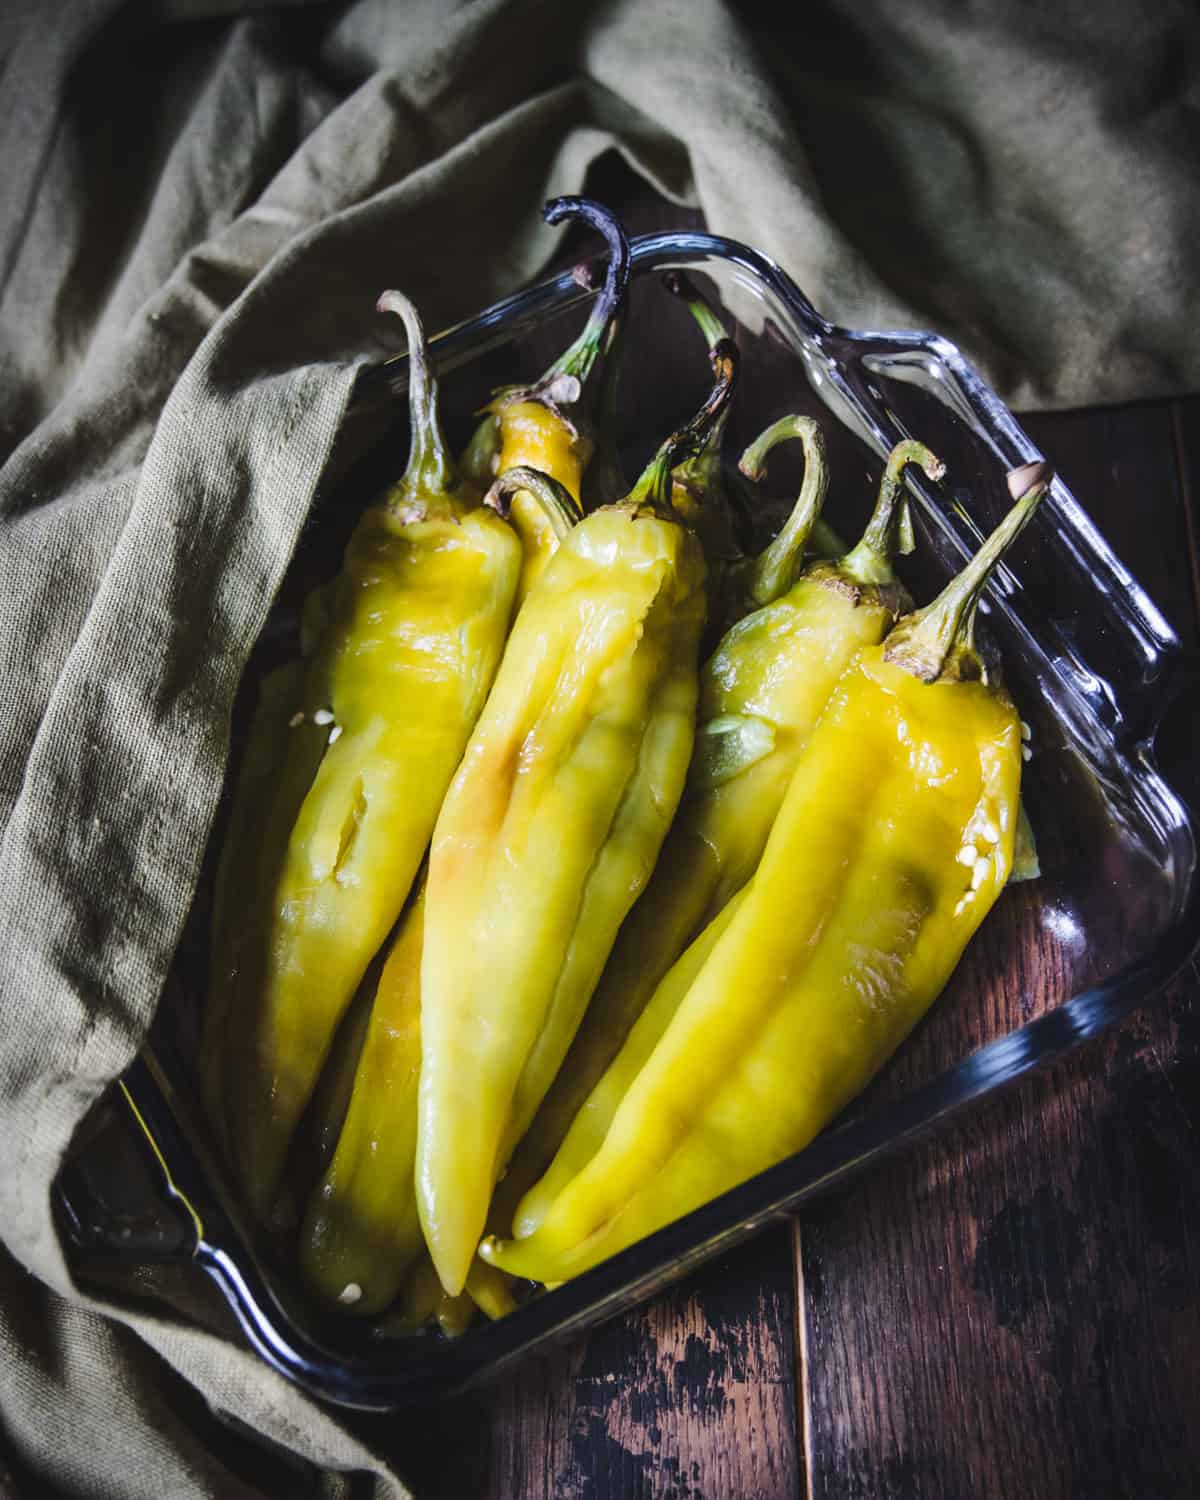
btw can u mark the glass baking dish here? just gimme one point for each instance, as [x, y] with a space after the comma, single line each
[1089, 659]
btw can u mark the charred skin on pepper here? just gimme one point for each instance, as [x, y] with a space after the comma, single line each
[551, 828]
[829, 978]
[761, 692]
[409, 636]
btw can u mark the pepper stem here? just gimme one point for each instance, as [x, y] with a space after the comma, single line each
[430, 471]
[698, 487]
[555, 501]
[606, 481]
[700, 466]
[774, 569]
[575, 363]
[653, 488]
[610, 382]
[682, 286]
[937, 643]
[890, 529]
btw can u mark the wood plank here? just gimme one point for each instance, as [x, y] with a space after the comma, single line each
[1136, 469]
[691, 1396]
[1120, 462]
[1014, 1308]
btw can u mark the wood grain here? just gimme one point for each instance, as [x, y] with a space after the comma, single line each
[689, 1398]
[1015, 1307]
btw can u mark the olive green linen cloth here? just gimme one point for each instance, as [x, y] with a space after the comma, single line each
[199, 205]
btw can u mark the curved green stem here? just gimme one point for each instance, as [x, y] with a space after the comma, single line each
[680, 285]
[653, 488]
[608, 404]
[700, 468]
[938, 642]
[576, 362]
[430, 472]
[699, 477]
[774, 570]
[605, 480]
[554, 499]
[890, 529]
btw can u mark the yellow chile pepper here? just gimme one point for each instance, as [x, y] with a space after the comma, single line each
[545, 426]
[761, 693]
[894, 840]
[317, 1132]
[551, 828]
[408, 639]
[361, 1237]
[421, 1302]
[361, 1234]
[264, 806]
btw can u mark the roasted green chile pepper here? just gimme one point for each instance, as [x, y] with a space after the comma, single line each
[761, 692]
[894, 840]
[406, 643]
[551, 828]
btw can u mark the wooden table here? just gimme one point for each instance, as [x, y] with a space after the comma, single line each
[1011, 1309]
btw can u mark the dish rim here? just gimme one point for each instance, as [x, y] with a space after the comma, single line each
[398, 1372]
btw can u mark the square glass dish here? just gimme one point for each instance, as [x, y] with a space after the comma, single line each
[1089, 660]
